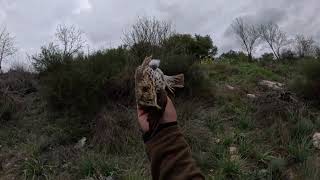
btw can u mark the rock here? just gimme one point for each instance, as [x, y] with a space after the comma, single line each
[233, 150]
[234, 157]
[217, 140]
[230, 87]
[251, 96]
[316, 140]
[272, 84]
[81, 143]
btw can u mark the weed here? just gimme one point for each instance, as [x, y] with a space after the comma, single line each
[300, 150]
[34, 168]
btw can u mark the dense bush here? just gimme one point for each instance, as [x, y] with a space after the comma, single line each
[308, 85]
[186, 44]
[84, 83]
[235, 56]
[197, 82]
[7, 108]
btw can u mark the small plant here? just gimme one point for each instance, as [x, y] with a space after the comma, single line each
[94, 166]
[276, 166]
[302, 129]
[34, 168]
[230, 169]
[300, 150]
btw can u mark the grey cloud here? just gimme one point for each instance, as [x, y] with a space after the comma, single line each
[33, 22]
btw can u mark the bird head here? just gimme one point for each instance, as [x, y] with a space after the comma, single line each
[154, 63]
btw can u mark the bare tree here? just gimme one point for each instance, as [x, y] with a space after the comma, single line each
[247, 34]
[148, 30]
[7, 47]
[70, 38]
[304, 45]
[274, 37]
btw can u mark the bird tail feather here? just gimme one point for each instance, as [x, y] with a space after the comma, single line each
[176, 81]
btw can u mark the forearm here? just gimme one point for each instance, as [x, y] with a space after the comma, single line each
[170, 155]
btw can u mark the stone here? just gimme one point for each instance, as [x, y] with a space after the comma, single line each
[230, 87]
[81, 143]
[233, 150]
[234, 157]
[316, 140]
[251, 96]
[272, 84]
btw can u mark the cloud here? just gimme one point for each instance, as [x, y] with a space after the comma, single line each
[33, 22]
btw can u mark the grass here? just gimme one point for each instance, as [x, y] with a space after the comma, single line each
[42, 142]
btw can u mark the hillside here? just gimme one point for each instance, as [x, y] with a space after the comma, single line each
[242, 130]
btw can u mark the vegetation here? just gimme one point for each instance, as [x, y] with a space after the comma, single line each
[75, 118]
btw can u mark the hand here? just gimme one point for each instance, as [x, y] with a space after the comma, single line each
[169, 115]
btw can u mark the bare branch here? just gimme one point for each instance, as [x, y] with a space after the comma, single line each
[148, 30]
[70, 38]
[304, 45]
[247, 35]
[274, 37]
[7, 47]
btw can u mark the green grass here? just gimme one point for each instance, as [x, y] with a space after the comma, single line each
[45, 140]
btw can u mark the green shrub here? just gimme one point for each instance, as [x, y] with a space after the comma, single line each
[197, 81]
[308, 85]
[176, 64]
[84, 83]
[7, 108]
[49, 58]
[300, 150]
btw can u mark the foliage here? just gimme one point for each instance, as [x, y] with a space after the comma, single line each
[7, 108]
[267, 57]
[84, 83]
[234, 55]
[308, 85]
[48, 59]
[185, 44]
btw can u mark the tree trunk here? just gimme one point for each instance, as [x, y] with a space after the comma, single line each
[250, 56]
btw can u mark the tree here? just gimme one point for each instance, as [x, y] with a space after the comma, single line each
[147, 34]
[274, 37]
[204, 46]
[304, 45]
[267, 57]
[197, 45]
[288, 54]
[247, 35]
[7, 47]
[70, 39]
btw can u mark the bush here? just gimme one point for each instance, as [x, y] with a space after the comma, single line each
[84, 83]
[49, 58]
[308, 85]
[197, 82]
[7, 108]
[233, 55]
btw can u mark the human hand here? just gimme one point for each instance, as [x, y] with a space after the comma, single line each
[169, 115]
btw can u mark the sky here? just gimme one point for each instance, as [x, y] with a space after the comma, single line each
[33, 22]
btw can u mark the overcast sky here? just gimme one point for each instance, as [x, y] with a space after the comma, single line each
[33, 22]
